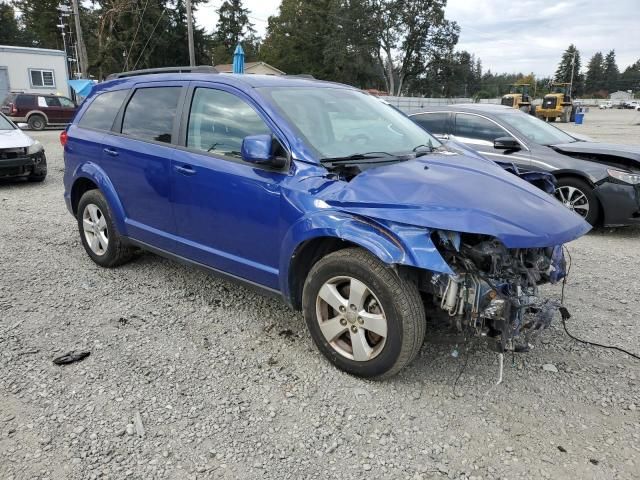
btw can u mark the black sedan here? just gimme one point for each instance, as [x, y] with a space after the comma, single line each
[599, 181]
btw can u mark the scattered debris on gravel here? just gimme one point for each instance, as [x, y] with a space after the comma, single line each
[191, 377]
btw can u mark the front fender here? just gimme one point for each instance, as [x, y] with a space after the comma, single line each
[391, 243]
[97, 175]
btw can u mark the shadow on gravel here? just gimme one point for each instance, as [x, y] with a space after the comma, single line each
[617, 232]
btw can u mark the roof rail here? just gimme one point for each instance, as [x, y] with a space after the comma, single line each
[148, 71]
[301, 75]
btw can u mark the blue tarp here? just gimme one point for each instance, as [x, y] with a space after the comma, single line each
[238, 60]
[82, 87]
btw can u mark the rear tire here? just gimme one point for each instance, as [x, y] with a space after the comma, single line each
[378, 324]
[577, 195]
[37, 122]
[98, 233]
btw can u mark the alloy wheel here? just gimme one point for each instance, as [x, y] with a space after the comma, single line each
[94, 226]
[574, 199]
[351, 318]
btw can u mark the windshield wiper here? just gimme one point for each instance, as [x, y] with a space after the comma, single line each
[423, 145]
[359, 156]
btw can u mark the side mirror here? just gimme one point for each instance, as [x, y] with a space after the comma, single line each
[258, 149]
[506, 143]
[22, 126]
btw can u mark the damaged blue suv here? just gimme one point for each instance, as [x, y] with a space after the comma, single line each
[321, 194]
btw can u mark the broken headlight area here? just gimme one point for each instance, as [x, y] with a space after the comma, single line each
[494, 290]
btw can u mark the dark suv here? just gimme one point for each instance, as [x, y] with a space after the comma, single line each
[38, 110]
[320, 194]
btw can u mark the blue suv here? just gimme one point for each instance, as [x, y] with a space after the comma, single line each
[323, 195]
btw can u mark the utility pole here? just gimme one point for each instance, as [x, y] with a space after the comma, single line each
[573, 65]
[83, 61]
[192, 53]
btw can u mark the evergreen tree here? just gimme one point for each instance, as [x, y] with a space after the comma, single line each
[40, 19]
[595, 80]
[630, 78]
[11, 32]
[570, 61]
[234, 27]
[611, 72]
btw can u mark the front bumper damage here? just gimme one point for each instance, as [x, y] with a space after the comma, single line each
[16, 162]
[494, 292]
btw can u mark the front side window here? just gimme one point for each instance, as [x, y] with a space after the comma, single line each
[435, 123]
[339, 122]
[103, 110]
[478, 128]
[42, 78]
[151, 112]
[65, 102]
[219, 121]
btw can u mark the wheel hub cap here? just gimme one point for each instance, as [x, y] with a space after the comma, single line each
[351, 318]
[574, 199]
[94, 226]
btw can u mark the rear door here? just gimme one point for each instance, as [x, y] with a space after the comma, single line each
[52, 107]
[137, 158]
[479, 132]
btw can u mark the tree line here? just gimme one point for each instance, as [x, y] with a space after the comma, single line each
[396, 46]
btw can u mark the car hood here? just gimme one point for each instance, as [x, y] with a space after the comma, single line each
[14, 139]
[631, 153]
[461, 194]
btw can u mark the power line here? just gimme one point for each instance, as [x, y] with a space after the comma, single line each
[150, 36]
[126, 64]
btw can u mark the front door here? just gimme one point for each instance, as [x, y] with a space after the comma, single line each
[227, 211]
[479, 133]
[137, 159]
[68, 109]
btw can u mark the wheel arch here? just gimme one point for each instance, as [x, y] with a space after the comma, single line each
[37, 112]
[315, 236]
[90, 176]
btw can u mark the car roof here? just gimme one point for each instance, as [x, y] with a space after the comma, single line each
[243, 82]
[488, 108]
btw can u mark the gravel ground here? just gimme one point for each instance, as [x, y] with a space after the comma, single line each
[193, 377]
[616, 126]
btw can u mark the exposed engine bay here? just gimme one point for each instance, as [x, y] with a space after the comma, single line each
[494, 291]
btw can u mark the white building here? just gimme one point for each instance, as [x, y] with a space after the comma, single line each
[621, 96]
[37, 70]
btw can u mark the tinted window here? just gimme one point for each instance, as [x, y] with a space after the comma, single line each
[150, 113]
[219, 121]
[432, 122]
[479, 128]
[103, 110]
[26, 101]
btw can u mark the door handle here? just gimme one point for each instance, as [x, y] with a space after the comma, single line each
[110, 152]
[184, 169]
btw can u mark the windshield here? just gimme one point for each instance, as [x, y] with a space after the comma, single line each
[337, 122]
[5, 124]
[535, 130]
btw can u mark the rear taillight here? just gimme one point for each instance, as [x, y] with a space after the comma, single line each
[13, 109]
[63, 138]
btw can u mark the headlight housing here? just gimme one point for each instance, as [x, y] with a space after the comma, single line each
[626, 177]
[34, 148]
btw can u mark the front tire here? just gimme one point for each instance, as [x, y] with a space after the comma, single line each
[362, 316]
[577, 195]
[99, 236]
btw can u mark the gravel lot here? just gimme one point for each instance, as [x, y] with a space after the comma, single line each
[193, 377]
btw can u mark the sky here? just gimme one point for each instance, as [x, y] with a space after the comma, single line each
[516, 36]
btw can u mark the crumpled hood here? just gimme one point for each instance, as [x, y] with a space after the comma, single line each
[630, 152]
[14, 139]
[461, 194]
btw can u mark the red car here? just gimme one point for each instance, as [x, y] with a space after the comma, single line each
[38, 110]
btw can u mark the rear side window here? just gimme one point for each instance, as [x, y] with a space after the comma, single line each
[26, 101]
[151, 112]
[103, 110]
[435, 123]
[52, 101]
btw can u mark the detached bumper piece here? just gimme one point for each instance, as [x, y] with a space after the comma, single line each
[14, 162]
[494, 292]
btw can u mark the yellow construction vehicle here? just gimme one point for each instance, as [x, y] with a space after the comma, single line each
[518, 97]
[557, 104]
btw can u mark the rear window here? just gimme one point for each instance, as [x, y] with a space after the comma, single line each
[103, 110]
[9, 99]
[150, 113]
[435, 123]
